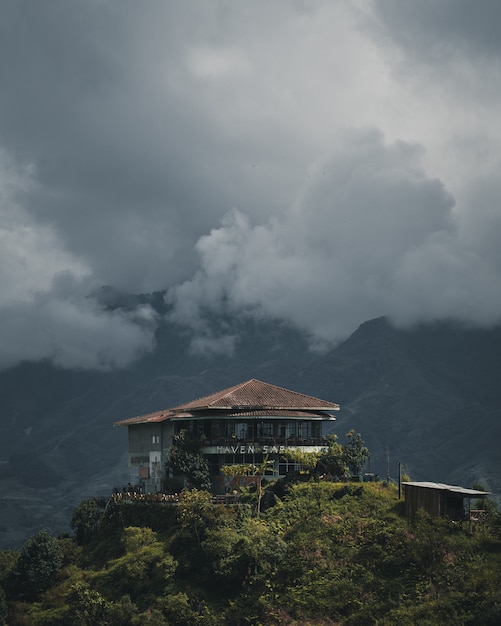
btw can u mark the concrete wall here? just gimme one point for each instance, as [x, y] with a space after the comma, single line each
[148, 449]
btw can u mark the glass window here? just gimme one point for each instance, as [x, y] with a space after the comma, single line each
[265, 429]
[241, 430]
[217, 429]
[291, 430]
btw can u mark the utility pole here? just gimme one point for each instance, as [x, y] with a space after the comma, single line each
[399, 479]
[387, 464]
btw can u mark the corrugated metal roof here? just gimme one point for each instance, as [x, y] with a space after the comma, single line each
[452, 488]
[250, 399]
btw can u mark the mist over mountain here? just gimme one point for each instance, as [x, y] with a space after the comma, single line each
[428, 397]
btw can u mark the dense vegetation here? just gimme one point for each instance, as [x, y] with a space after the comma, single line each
[322, 553]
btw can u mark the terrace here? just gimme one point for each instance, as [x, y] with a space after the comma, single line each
[253, 433]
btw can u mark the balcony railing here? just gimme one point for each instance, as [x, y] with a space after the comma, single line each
[286, 442]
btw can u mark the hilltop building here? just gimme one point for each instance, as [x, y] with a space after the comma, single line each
[246, 423]
[439, 500]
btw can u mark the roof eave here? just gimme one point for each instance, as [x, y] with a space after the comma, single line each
[263, 407]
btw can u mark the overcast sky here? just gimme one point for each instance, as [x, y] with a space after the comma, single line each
[322, 162]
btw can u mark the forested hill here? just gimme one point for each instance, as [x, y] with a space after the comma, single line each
[323, 554]
[428, 397]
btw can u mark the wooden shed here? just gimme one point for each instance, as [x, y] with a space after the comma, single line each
[439, 500]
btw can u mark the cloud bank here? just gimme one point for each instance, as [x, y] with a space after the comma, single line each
[50, 313]
[369, 235]
[317, 162]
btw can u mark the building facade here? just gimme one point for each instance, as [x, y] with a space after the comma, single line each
[244, 424]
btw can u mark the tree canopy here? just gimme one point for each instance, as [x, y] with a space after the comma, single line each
[327, 553]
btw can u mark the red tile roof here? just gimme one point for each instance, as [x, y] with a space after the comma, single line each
[251, 398]
[256, 394]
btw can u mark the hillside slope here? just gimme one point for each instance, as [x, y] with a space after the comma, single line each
[428, 397]
[321, 554]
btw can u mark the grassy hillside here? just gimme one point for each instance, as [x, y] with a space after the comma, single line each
[322, 553]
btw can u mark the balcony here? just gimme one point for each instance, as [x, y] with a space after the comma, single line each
[264, 442]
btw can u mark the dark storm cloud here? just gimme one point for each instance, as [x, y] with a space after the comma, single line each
[431, 29]
[100, 138]
[205, 148]
[130, 164]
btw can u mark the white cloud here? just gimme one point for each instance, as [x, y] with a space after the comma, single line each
[216, 62]
[45, 308]
[73, 333]
[370, 235]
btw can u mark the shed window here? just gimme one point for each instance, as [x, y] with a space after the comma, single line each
[155, 439]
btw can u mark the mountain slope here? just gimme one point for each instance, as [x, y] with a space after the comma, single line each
[428, 397]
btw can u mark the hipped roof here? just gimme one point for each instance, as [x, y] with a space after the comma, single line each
[252, 398]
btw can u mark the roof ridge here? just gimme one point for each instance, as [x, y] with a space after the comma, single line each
[217, 397]
[260, 396]
[222, 392]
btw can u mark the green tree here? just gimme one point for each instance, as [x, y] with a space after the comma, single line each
[250, 469]
[355, 454]
[260, 471]
[3, 607]
[86, 520]
[186, 460]
[262, 547]
[180, 611]
[332, 460]
[246, 551]
[307, 460]
[8, 559]
[222, 548]
[122, 613]
[195, 512]
[35, 570]
[88, 607]
[145, 568]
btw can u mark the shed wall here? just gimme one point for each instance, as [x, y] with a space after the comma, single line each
[422, 498]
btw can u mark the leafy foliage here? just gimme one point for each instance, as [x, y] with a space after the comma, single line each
[332, 459]
[3, 607]
[186, 460]
[327, 553]
[355, 453]
[143, 569]
[86, 520]
[34, 571]
[87, 606]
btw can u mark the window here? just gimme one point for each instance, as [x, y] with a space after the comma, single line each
[265, 429]
[241, 430]
[290, 432]
[155, 439]
[285, 466]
